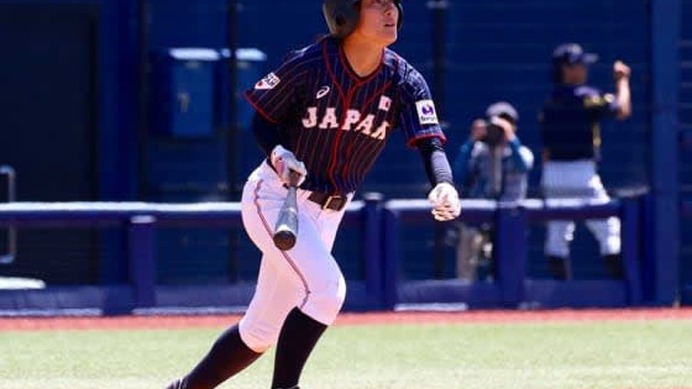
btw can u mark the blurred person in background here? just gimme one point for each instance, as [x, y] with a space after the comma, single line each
[494, 165]
[571, 139]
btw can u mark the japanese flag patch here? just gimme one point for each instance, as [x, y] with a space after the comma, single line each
[385, 103]
[426, 112]
[268, 82]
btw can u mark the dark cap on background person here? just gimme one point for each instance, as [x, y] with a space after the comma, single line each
[572, 53]
[504, 110]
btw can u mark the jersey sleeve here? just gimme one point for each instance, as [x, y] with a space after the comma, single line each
[274, 95]
[418, 115]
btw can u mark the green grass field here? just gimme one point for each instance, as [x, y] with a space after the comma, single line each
[633, 355]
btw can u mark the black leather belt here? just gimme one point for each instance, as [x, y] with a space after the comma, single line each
[327, 201]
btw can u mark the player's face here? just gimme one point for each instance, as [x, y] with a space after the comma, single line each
[378, 21]
[575, 74]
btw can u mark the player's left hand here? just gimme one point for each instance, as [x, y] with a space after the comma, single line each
[445, 201]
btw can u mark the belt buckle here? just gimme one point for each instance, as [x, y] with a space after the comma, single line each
[329, 201]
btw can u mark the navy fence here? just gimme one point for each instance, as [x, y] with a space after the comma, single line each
[378, 222]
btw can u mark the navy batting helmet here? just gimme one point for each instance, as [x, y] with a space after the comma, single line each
[342, 16]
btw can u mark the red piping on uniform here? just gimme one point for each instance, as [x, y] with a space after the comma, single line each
[258, 109]
[346, 104]
[349, 150]
[377, 92]
[358, 82]
[350, 71]
[325, 55]
[412, 141]
[291, 263]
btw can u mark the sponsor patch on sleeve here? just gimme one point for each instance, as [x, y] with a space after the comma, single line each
[426, 112]
[268, 82]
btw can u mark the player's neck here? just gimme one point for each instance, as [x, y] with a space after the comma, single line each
[363, 56]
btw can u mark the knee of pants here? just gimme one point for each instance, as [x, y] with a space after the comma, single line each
[607, 232]
[258, 335]
[325, 301]
[611, 245]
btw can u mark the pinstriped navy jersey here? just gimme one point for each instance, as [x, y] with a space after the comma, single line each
[337, 122]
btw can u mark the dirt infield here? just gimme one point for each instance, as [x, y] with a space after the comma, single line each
[179, 322]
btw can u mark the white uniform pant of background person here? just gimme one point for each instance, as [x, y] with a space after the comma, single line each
[307, 276]
[577, 179]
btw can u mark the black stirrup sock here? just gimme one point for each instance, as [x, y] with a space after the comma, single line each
[298, 338]
[227, 357]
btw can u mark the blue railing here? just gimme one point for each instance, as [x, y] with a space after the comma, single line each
[142, 219]
[510, 247]
[379, 222]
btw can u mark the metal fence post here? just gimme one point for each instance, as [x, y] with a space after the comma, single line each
[630, 237]
[390, 257]
[142, 259]
[510, 252]
[372, 249]
[648, 249]
[439, 9]
[11, 254]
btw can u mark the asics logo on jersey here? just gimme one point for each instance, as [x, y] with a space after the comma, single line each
[322, 92]
[354, 121]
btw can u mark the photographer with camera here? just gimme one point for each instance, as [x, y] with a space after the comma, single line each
[492, 164]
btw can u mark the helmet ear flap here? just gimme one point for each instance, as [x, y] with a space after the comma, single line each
[341, 16]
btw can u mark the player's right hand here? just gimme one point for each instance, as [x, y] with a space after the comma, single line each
[285, 162]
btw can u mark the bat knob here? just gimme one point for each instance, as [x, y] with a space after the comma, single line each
[284, 240]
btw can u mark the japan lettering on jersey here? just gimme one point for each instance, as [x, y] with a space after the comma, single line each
[337, 122]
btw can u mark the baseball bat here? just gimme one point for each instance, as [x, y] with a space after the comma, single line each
[286, 229]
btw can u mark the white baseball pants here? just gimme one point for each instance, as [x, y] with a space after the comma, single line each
[307, 276]
[577, 179]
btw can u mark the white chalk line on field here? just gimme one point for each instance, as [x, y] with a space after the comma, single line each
[584, 370]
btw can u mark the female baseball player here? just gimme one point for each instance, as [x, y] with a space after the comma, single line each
[326, 114]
